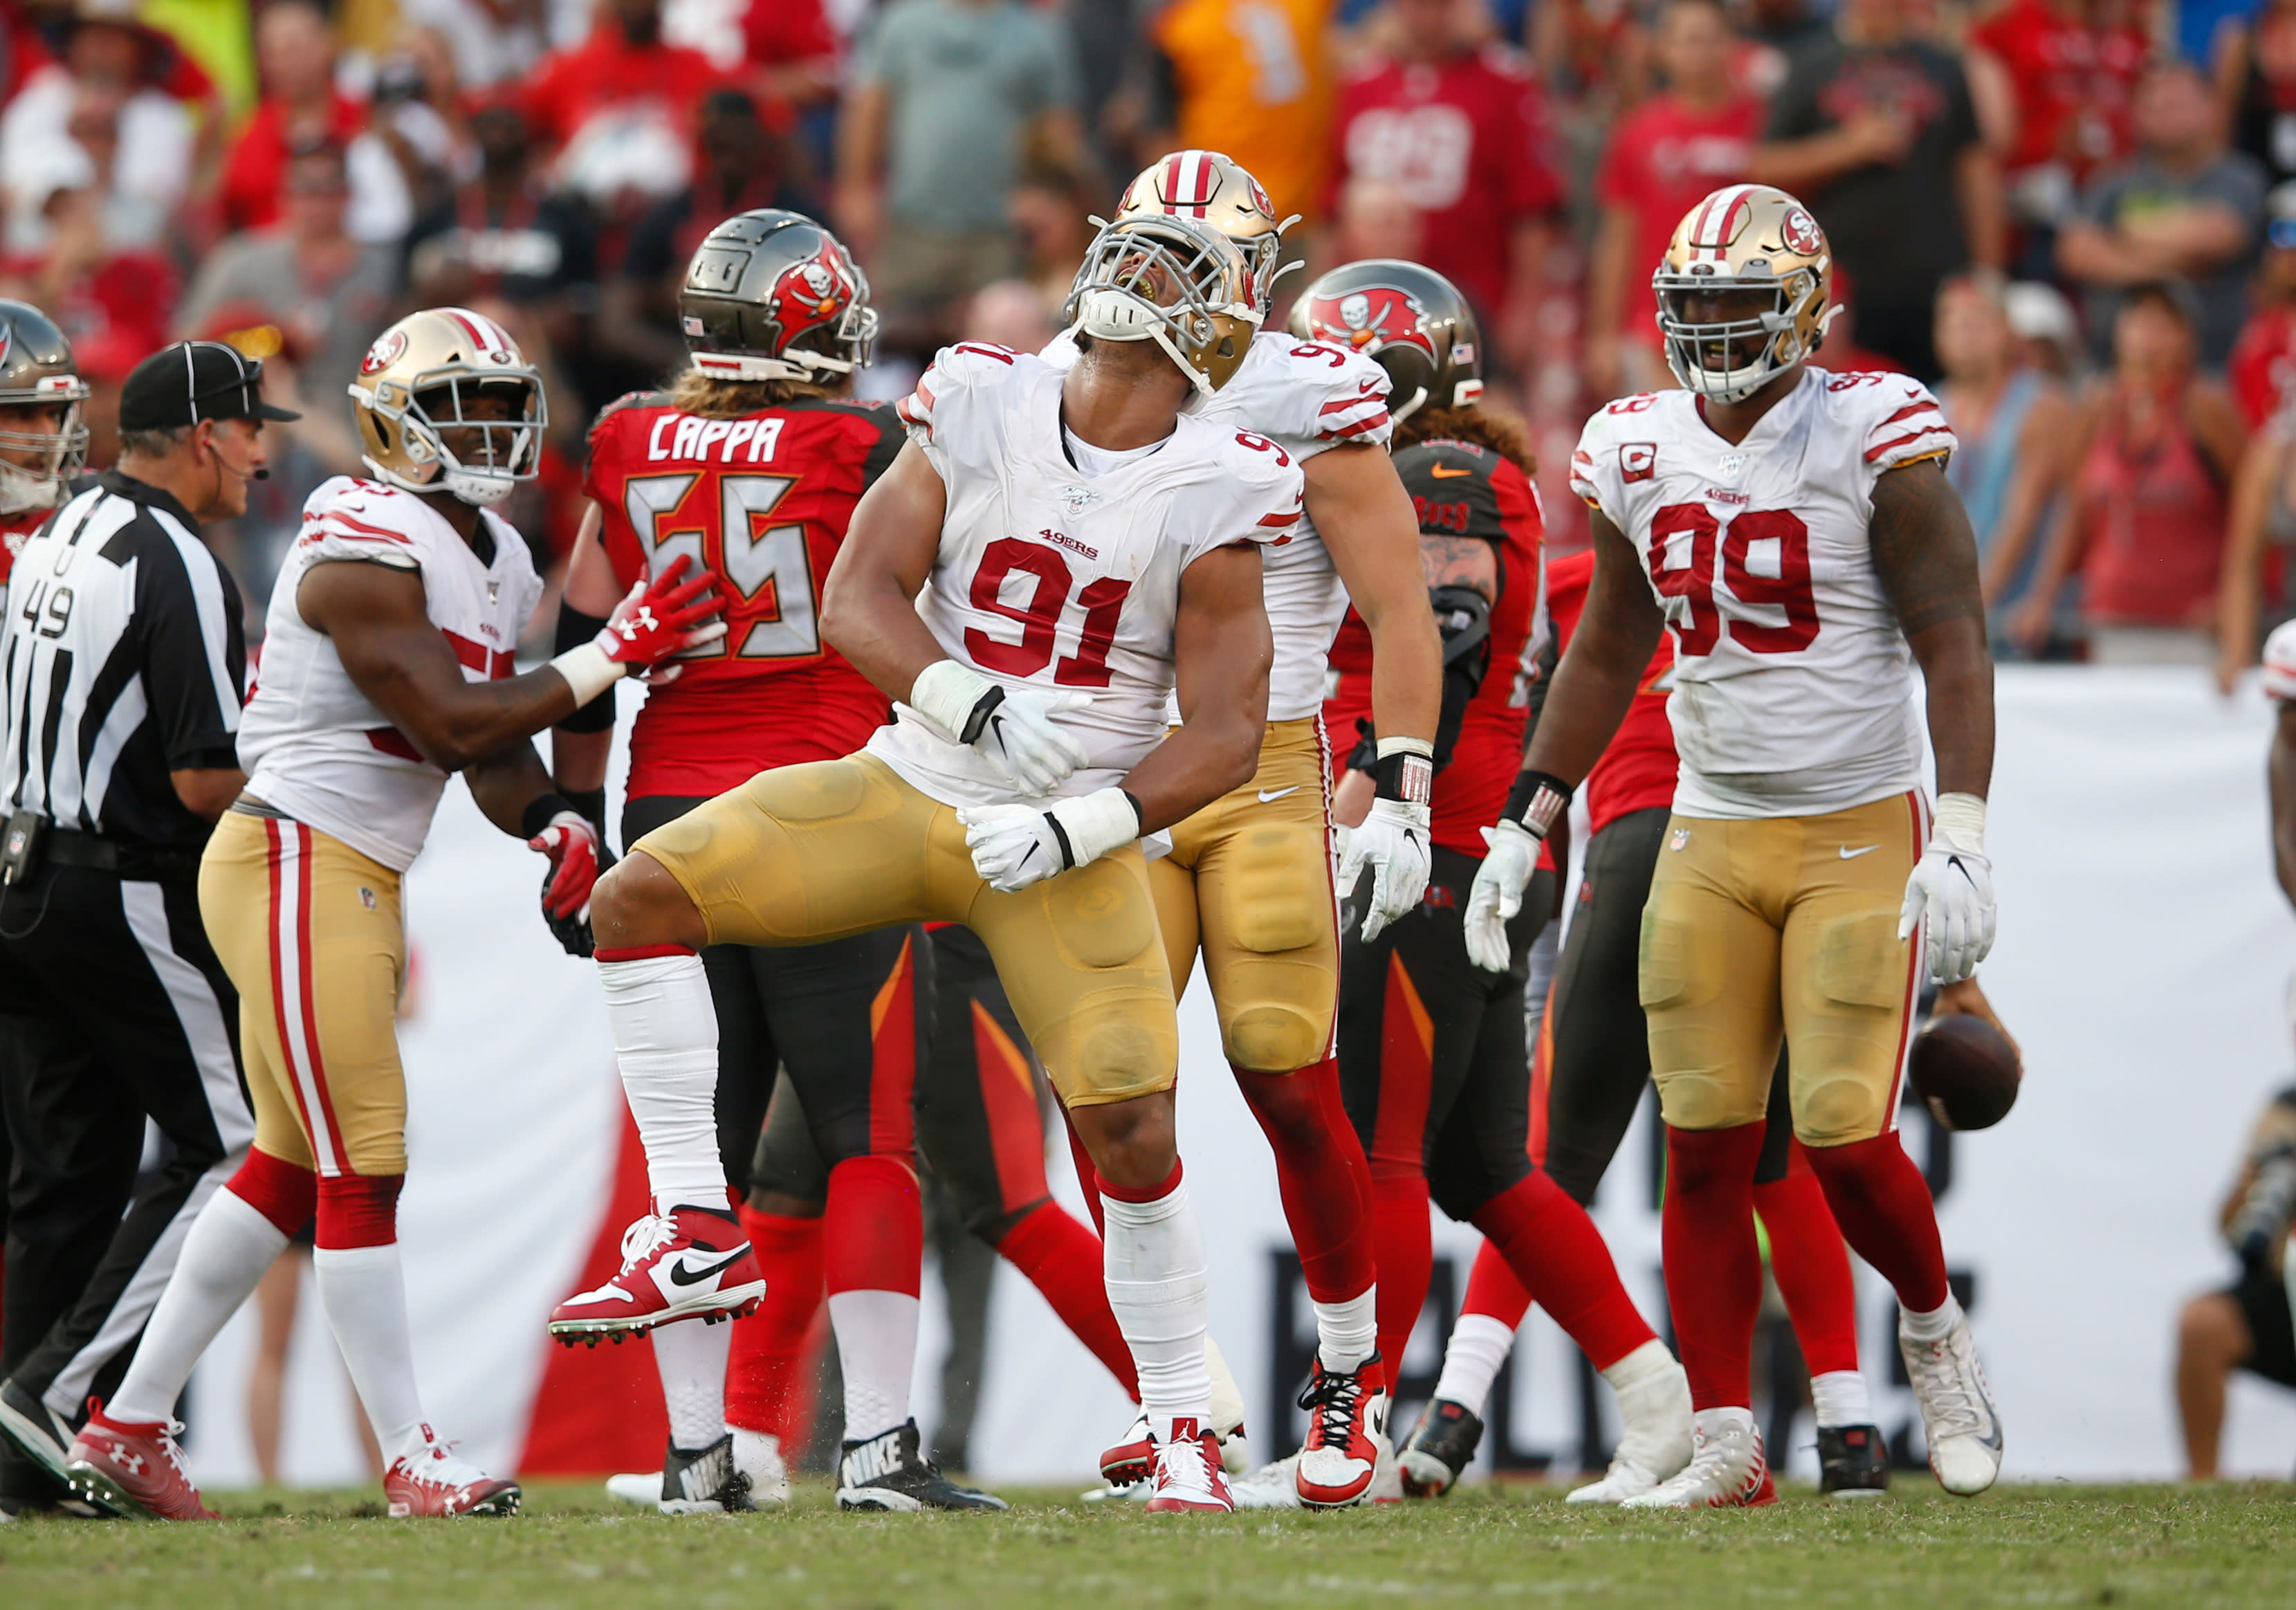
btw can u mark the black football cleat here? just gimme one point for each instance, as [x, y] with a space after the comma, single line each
[704, 1481]
[1853, 1462]
[890, 1472]
[1440, 1448]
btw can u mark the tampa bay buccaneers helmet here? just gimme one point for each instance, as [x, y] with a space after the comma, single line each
[1760, 249]
[1210, 188]
[772, 295]
[37, 466]
[419, 381]
[1172, 280]
[1410, 321]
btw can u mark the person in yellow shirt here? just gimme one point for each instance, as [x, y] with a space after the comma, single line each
[1251, 78]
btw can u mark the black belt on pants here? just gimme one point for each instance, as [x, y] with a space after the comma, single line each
[69, 847]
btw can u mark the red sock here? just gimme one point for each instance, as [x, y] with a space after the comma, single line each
[1560, 1257]
[1321, 1171]
[1493, 1291]
[361, 1210]
[1404, 1244]
[1883, 1206]
[770, 1344]
[1063, 1261]
[873, 1234]
[1811, 1266]
[1713, 1264]
[1087, 1175]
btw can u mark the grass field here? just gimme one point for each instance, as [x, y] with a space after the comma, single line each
[2039, 1545]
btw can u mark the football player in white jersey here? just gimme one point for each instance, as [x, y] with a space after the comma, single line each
[1051, 558]
[2280, 687]
[387, 665]
[1794, 531]
[1248, 882]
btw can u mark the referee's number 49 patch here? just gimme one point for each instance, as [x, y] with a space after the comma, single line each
[1637, 460]
[48, 608]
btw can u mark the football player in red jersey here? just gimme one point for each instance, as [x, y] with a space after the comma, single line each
[42, 441]
[751, 465]
[1432, 1062]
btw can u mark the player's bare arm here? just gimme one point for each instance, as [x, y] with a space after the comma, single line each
[1221, 652]
[578, 759]
[1926, 556]
[2283, 771]
[868, 606]
[1599, 673]
[1367, 521]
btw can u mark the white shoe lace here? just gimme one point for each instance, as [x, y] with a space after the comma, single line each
[645, 1236]
[1182, 1464]
[1947, 1391]
[169, 1432]
[437, 1467]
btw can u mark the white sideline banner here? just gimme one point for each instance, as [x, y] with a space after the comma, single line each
[2143, 955]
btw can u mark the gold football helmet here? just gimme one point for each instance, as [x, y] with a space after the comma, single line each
[1753, 255]
[420, 379]
[1169, 279]
[1210, 188]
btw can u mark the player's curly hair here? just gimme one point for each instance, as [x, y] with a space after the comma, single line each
[696, 393]
[1502, 433]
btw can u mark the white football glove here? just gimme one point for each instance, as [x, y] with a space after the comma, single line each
[1952, 890]
[1392, 841]
[1497, 895]
[1012, 727]
[1014, 846]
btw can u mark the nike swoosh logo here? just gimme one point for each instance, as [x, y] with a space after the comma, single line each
[1848, 854]
[1267, 794]
[686, 1274]
[1445, 472]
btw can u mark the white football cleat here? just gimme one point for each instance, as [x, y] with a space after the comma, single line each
[639, 1489]
[1727, 1469]
[1272, 1486]
[757, 1454]
[1958, 1414]
[1655, 1446]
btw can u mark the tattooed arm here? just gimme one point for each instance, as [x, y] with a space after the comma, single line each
[1927, 559]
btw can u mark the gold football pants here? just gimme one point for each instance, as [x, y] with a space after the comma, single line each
[804, 853]
[1783, 925]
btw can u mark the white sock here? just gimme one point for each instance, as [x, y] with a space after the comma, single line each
[1347, 1333]
[1480, 1346]
[1647, 1362]
[665, 1038]
[690, 1356]
[1931, 1327]
[226, 1252]
[1839, 1398]
[876, 1334]
[365, 1298]
[1156, 1285]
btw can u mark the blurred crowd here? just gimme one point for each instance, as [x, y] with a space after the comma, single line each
[2077, 218]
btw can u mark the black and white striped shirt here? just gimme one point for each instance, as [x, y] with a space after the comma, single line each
[125, 658]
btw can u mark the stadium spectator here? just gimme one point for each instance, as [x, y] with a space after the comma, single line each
[1460, 129]
[2246, 1326]
[618, 111]
[947, 100]
[295, 56]
[2255, 71]
[1051, 210]
[2183, 208]
[2143, 521]
[2254, 591]
[2263, 366]
[1376, 219]
[1691, 138]
[502, 233]
[2048, 331]
[1250, 81]
[495, 41]
[1875, 130]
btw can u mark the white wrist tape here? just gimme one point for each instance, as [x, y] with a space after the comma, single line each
[588, 671]
[1422, 747]
[945, 694]
[1096, 823]
[1960, 822]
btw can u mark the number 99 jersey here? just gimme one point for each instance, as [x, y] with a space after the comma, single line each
[1794, 685]
[763, 499]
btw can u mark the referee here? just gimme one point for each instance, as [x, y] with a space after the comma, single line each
[124, 658]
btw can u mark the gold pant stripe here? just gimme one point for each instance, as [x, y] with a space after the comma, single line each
[805, 853]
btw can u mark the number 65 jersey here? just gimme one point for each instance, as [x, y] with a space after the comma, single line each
[1794, 685]
[1062, 580]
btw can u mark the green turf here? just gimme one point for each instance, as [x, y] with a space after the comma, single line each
[2038, 1545]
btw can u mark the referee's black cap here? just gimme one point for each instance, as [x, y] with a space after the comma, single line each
[192, 381]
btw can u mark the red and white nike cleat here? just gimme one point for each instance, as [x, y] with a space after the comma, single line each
[132, 1471]
[692, 1264]
[434, 1481]
[1347, 1429]
[1188, 1473]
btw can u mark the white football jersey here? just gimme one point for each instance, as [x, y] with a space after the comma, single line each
[1794, 685]
[1305, 395]
[2280, 662]
[1064, 581]
[311, 743]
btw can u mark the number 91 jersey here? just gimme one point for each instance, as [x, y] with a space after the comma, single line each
[1063, 581]
[763, 499]
[1794, 685]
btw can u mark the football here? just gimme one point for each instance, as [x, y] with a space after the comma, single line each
[1966, 1071]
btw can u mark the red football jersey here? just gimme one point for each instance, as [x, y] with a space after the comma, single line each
[763, 500]
[1661, 161]
[2262, 372]
[1464, 490]
[2075, 84]
[1637, 771]
[15, 531]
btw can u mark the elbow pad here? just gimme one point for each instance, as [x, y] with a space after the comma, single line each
[574, 630]
[1463, 617]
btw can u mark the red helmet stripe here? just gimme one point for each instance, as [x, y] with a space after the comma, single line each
[1172, 179]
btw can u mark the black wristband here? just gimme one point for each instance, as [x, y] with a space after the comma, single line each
[590, 804]
[574, 630]
[1060, 835]
[1403, 776]
[541, 810]
[1537, 798]
[981, 711]
[1139, 813]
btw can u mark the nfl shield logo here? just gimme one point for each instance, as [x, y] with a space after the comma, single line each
[1680, 841]
[1731, 467]
[1076, 500]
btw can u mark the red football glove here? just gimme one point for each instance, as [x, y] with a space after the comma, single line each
[663, 618]
[576, 858]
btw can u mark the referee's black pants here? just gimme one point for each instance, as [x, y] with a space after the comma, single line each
[113, 1008]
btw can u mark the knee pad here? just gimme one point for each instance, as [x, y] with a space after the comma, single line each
[1835, 1109]
[1268, 1036]
[1704, 1100]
